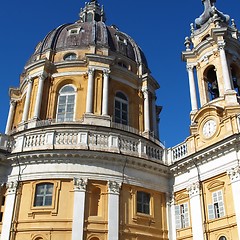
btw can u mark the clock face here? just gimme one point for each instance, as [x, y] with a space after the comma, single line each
[209, 128]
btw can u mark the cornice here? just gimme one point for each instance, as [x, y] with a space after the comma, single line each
[91, 157]
[205, 155]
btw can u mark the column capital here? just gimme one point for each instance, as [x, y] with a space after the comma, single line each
[80, 184]
[170, 199]
[12, 187]
[42, 76]
[221, 45]
[145, 90]
[190, 67]
[91, 71]
[234, 174]
[114, 187]
[193, 189]
[13, 102]
[106, 72]
[29, 79]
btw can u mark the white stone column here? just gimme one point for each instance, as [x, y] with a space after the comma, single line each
[27, 100]
[9, 210]
[171, 217]
[90, 88]
[196, 211]
[78, 208]
[192, 88]
[38, 101]
[225, 71]
[105, 92]
[146, 111]
[234, 175]
[10, 116]
[113, 210]
[154, 115]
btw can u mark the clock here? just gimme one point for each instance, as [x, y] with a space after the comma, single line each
[209, 128]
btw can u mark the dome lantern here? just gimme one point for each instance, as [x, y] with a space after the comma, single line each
[92, 12]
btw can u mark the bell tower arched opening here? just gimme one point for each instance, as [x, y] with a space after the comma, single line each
[210, 78]
[235, 79]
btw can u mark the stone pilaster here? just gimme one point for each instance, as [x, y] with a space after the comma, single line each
[234, 175]
[113, 210]
[9, 209]
[171, 216]
[78, 208]
[196, 211]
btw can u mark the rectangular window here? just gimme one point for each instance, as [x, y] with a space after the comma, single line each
[216, 209]
[43, 194]
[143, 202]
[182, 216]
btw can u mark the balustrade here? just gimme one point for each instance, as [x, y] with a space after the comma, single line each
[178, 152]
[60, 138]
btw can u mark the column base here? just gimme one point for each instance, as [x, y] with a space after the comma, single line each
[230, 97]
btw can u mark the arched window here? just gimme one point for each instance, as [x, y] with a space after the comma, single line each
[212, 84]
[89, 17]
[70, 56]
[122, 64]
[236, 80]
[43, 194]
[66, 104]
[222, 238]
[121, 109]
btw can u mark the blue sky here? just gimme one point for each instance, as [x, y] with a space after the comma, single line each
[159, 27]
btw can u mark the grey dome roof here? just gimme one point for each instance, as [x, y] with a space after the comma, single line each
[93, 32]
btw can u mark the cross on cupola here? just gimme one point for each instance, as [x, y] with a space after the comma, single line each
[210, 11]
[92, 12]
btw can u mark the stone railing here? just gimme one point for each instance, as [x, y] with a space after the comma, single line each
[53, 137]
[177, 153]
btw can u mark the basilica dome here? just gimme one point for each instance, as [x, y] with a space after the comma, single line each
[90, 31]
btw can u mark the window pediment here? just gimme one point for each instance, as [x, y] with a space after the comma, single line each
[215, 184]
[182, 196]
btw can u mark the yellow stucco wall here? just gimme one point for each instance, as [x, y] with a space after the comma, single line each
[135, 225]
[54, 221]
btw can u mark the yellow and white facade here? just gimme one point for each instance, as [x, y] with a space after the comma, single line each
[81, 157]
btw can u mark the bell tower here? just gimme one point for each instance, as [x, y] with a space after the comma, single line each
[212, 57]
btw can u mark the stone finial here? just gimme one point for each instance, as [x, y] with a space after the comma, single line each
[188, 43]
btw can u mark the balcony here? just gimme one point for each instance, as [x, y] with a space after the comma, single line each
[177, 152]
[51, 135]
